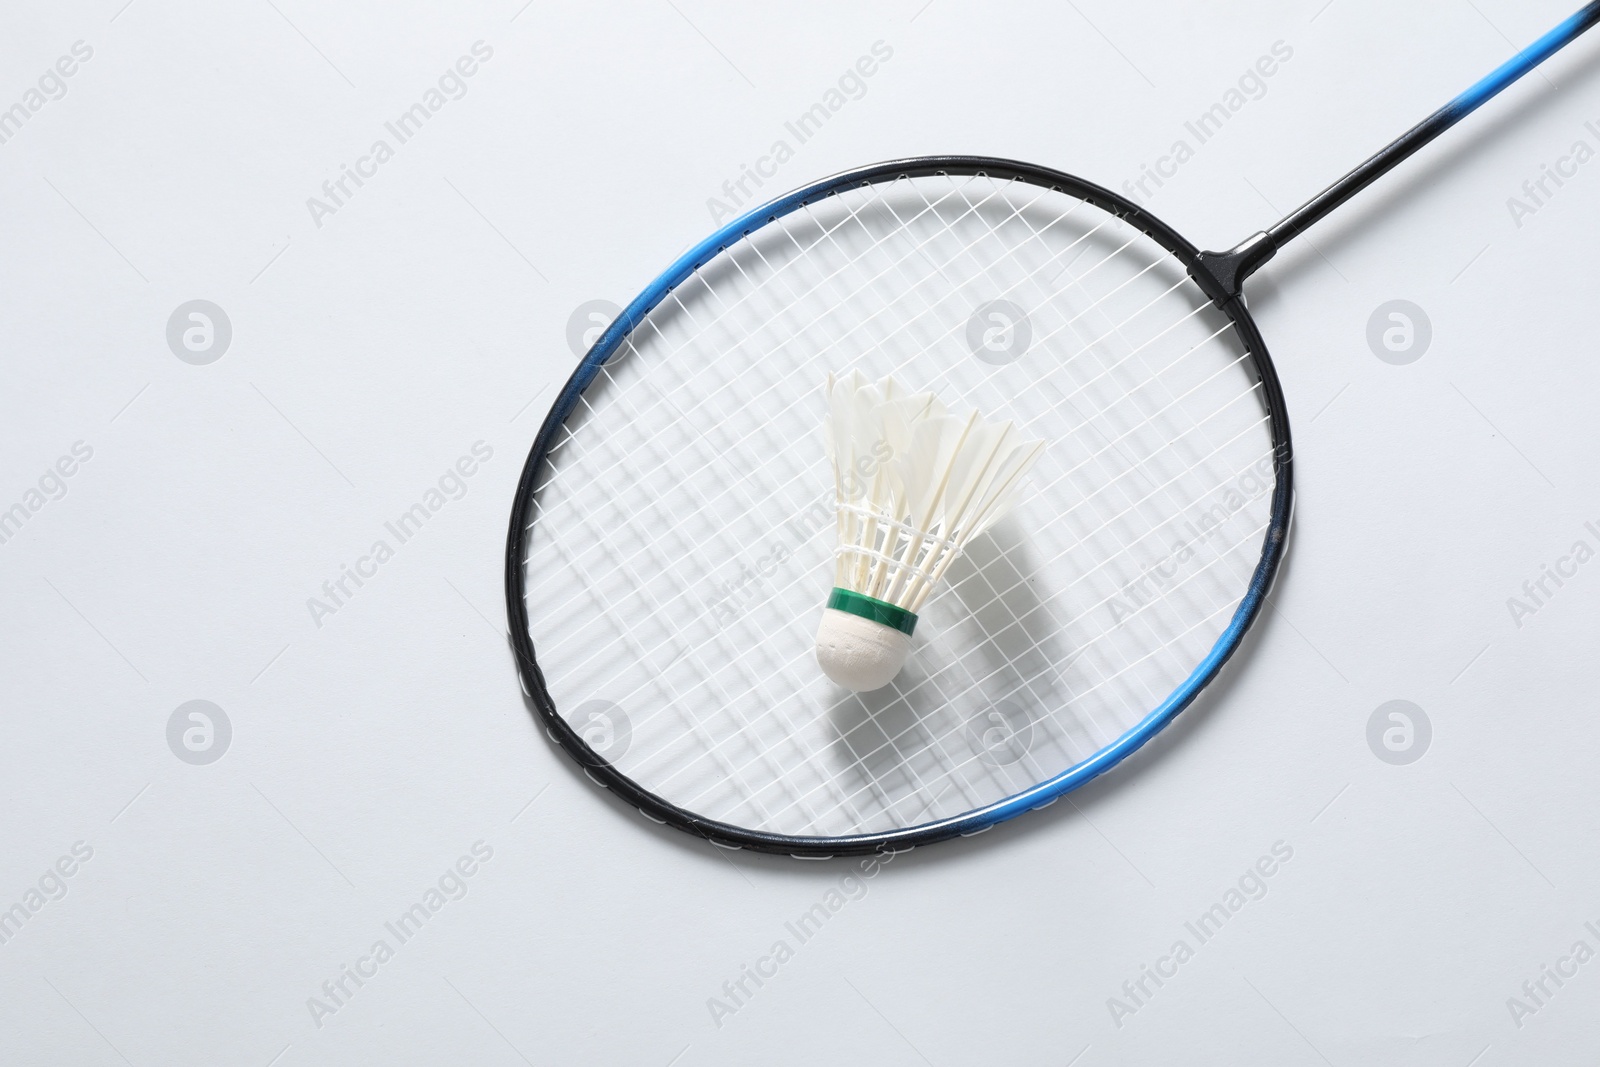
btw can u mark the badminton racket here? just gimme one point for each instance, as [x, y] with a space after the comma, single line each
[672, 534]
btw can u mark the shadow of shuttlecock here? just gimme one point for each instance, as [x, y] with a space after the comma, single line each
[977, 703]
[886, 741]
[1007, 640]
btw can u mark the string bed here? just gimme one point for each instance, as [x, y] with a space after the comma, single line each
[684, 533]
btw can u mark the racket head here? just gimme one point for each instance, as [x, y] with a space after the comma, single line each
[826, 216]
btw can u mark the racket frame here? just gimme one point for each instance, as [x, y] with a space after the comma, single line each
[610, 342]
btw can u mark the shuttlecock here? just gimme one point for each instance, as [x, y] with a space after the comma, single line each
[912, 485]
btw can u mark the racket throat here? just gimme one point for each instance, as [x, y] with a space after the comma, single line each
[1224, 272]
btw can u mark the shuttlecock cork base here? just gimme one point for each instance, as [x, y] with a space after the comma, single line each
[862, 643]
[912, 485]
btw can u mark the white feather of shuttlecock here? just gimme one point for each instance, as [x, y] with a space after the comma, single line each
[903, 518]
[913, 484]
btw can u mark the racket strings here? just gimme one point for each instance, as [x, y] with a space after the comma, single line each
[953, 760]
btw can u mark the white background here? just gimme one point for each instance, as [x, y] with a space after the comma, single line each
[431, 312]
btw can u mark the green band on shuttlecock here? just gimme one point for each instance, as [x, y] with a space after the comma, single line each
[854, 603]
